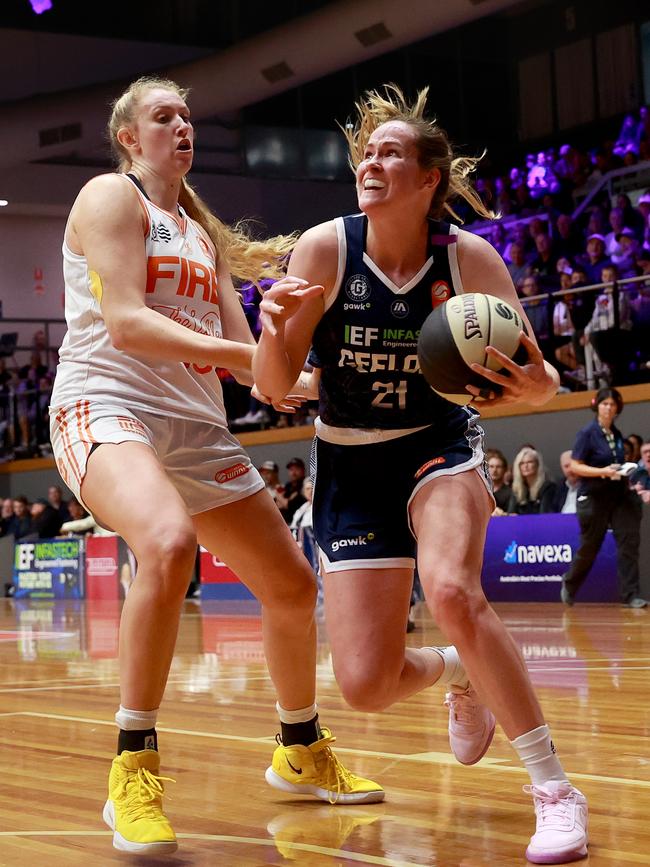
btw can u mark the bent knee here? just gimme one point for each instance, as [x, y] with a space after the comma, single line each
[171, 550]
[368, 691]
[456, 607]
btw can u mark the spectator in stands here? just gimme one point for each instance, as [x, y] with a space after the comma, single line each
[640, 479]
[498, 238]
[631, 217]
[628, 136]
[616, 223]
[625, 258]
[637, 442]
[269, 471]
[595, 259]
[563, 327]
[290, 500]
[532, 492]
[7, 517]
[605, 500]
[497, 467]
[518, 267]
[611, 340]
[544, 265]
[566, 240]
[566, 491]
[55, 499]
[22, 526]
[81, 522]
[46, 521]
[536, 309]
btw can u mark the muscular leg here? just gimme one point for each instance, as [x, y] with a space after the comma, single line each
[366, 612]
[253, 539]
[450, 516]
[127, 489]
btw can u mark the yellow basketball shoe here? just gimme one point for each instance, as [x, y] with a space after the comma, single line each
[315, 770]
[134, 806]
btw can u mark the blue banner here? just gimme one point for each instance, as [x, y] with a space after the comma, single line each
[527, 555]
[49, 569]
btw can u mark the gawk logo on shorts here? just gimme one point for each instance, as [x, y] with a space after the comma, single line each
[231, 473]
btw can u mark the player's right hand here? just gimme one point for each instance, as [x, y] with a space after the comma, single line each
[282, 300]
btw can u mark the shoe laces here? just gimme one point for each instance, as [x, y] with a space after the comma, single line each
[337, 775]
[142, 791]
[554, 807]
[463, 706]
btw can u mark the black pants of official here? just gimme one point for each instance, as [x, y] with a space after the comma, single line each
[622, 512]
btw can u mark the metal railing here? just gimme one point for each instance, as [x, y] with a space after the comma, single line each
[614, 288]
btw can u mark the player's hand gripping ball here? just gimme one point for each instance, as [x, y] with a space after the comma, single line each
[455, 335]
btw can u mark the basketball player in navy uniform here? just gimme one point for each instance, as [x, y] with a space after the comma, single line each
[397, 467]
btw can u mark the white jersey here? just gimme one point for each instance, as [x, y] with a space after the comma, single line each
[182, 285]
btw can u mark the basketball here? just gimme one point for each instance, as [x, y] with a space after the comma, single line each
[456, 334]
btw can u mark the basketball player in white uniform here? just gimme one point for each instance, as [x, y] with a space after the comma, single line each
[355, 282]
[139, 435]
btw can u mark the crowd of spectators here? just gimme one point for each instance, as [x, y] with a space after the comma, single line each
[46, 517]
[24, 400]
[527, 487]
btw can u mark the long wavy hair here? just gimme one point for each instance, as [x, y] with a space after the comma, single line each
[249, 260]
[434, 149]
[522, 490]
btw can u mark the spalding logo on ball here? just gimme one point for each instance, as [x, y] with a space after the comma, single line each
[457, 333]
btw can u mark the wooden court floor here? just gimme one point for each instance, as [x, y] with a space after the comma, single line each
[59, 691]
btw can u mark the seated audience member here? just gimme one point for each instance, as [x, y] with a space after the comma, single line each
[625, 258]
[55, 498]
[532, 492]
[81, 522]
[7, 517]
[566, 490]
[497, 467]
[291, 499]
[544, 265]
[566, 240]
[269, 471]
[518, 267]
[564, 329]
[46, 521]
[22, 525]
[640, 479]
[536, 309]
[637, 443]
[594, 259]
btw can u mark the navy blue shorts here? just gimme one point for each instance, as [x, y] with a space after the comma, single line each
[362, 492]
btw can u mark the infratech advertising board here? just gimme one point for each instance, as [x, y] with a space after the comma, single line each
[527, 555]
[49, 569]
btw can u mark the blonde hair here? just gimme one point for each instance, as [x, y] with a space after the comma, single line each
[248, 260]
[434, 150]
[521, 489]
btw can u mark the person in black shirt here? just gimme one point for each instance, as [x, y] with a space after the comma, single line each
[532, 492]
[497, 466]
[605, 500]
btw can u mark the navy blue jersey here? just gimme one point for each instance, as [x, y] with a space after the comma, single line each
[366, 342]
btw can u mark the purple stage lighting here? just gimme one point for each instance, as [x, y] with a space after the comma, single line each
[40, 6]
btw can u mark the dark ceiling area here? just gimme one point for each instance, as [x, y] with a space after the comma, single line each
[215, 24]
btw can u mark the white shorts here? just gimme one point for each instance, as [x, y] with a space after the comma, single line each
[206, 464]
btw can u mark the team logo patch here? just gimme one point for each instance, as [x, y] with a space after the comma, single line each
[399, 308]
[357, 288]
[160, 232]
[131, 425]
[440, 292]
[432, 463]
[231, 473]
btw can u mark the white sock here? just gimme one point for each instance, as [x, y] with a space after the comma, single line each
[537, 752]
[136, 720]
[303, 714]
[454, 673]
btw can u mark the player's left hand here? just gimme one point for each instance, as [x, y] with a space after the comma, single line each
[523, 383]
